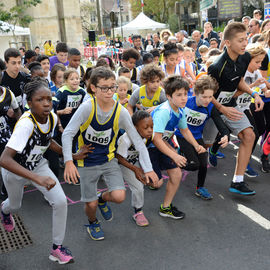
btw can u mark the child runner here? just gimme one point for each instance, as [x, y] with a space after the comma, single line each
[57, 77]
[128, 157]
[151, 94]
[121, 95]
[61, 55]
[229, 70]
[22, 159]
[123, 71]
[99, 120]
[8, 105]
[45, 64]
[166, 117]
[199, 109]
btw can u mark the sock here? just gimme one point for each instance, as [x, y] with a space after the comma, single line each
[91, 222]
[162, 206]
[266, 147]
[100, 200]
[137, 210]
[238, 178]
[55, 246]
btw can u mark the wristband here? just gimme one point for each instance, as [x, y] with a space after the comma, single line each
[253, 93]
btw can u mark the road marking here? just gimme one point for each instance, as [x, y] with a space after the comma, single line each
[253, 215]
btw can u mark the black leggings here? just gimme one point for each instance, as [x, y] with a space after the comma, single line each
[195, 161]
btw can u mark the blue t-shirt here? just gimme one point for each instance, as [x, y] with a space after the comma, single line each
[196, 117]
[166, 120]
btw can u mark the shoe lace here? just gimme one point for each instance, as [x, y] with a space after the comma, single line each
[65, 251]
[7, 220]
[204, 192]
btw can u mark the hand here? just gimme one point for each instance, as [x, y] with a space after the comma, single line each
[149, 110]
[46, 182]
[124, 101]
[83, 152]
[224, 141]
[10, 113]
[139, 173]
[258, 103]
[139, 106]
[67, 110]
[180, 160]
[154, 178]
[200, 149]
[231, 113]
[71, 174]
[259, 81]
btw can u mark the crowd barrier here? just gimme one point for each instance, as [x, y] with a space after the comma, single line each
[94, 52]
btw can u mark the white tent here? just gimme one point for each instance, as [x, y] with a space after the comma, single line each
[141, 24]
[6, 35]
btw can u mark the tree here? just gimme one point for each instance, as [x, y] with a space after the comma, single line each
[16, 15]
[157, 10]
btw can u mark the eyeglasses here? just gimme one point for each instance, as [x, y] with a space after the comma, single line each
[105, 89]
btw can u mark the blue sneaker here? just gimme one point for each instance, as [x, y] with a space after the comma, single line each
[220, 155]
[95, 231]
[212, 158]
[250, 172]
[203, 193]
[105, 211]
[241, 188]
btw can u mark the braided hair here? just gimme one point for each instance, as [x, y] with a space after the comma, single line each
[34, 85]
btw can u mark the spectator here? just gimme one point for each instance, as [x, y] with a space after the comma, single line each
[137, 44]
[49, 48]
[257, 14]
[37, 50]
[265, 25]
[156, 41]
[208, 33]
[30, 56]
[254, 28]
[181, 38]
[196, 35]
[126, 44]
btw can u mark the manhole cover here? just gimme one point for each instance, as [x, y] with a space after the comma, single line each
[16, 239]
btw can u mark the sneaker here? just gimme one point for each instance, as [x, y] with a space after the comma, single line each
[95, 231]
[77, 184]
[140, 219]
[220, 155]
[265, 165]
[106, 211]
[7, 221]
[61, 255]
[266, 145]
[250, 172]
[171, 212]
[241, 188]
[203, 193]
[212, 158]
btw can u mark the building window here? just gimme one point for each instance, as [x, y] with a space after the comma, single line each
[127, 18]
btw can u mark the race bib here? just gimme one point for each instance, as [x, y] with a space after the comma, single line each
[37, 153]
[99, 137]
[244, 100]
[225, 97]
[195, 118]
[3, 123]
[167, 135]
[74, 101]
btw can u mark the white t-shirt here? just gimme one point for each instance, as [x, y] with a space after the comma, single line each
[23, 131]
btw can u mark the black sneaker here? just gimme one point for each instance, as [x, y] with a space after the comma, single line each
[265, 165]
[241, 188]
[171, 212]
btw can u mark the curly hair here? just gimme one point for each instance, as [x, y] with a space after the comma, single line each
[149, 72]
[205, 82]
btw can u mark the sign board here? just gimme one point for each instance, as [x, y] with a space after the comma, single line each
[266, 11]
[229, 9]
[204, 14]
[206, 4]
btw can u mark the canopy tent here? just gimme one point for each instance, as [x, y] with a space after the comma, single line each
[6, 30]
[141, 24]
[6, 36]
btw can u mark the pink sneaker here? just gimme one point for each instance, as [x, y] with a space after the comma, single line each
[61, 255]
[266, 145]
[140, 219]
[7, 221]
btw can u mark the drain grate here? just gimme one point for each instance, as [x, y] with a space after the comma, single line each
[16, 239]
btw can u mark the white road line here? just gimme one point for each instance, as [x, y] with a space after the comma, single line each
[253, 215]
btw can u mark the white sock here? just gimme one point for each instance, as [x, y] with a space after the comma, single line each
[238, 178]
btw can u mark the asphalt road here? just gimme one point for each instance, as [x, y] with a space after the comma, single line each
[230, 232]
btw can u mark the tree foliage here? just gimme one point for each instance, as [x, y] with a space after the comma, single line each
[87, 10]
[157, 10]
[16, 15]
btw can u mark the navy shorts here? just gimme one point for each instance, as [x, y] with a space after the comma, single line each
[160, 161]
